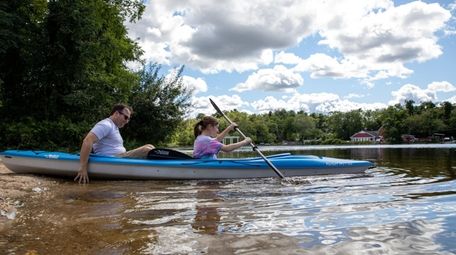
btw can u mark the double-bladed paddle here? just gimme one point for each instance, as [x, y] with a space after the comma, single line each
[255, 148]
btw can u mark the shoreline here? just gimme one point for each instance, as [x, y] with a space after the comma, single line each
[14, 188]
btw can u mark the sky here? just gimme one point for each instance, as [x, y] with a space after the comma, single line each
[322, 56]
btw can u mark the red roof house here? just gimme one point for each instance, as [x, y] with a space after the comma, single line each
[366, 136]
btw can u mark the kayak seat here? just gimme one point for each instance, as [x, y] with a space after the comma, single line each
[167, 154]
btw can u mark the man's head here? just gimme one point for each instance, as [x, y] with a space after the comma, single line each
[121, 114]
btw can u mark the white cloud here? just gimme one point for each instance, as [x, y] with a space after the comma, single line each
[321, 65]
[353, 95]
[315, 102]
[442, 86]
[271, 104]
[286, 58]
[195, 84]
[419, 95]
[346, 105]
[279, 78]
[412, 92]
[215, 36]
[451, 100]
[402, 33]
[224, 102]
[239, 36]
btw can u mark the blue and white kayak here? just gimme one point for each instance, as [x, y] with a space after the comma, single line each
[67, 164]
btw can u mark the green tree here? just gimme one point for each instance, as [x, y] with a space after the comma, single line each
[424, 124]
[344, 125]
[184, 136]
[63, 64]
[447, 109]
[304, 127]
[393, 123]
[159, 104]
[86, 51]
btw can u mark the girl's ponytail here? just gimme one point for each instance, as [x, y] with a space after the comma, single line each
[198, 128]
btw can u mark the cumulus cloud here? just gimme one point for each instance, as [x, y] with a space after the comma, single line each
[346, 106]
[271, 104]
[374, 38]
[196, 85]
[215, 36]
[419, 95]
[314, 102]
[412, 92]
[353, 95]
[443, 86]
[278, 78]
[286, 58]
[225, 103]
[451, 100]
[321, 65]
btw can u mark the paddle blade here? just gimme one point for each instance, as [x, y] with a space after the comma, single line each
[215, 106]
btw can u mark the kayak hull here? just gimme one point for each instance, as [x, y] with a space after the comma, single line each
[66, 164]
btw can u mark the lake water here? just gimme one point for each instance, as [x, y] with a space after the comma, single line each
[406, 205]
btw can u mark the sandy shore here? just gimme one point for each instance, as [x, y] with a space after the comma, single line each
[15, 187]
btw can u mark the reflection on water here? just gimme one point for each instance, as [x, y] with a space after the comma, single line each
[407, 205]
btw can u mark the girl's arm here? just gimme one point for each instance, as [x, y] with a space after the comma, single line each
[226, 131]
[234, 146]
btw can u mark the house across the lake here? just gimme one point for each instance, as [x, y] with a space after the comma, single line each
[367, 136]
[231, 139]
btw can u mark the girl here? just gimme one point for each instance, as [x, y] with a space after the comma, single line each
[208, 140]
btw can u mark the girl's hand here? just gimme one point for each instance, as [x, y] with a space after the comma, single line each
[232, 126]
[247, 140]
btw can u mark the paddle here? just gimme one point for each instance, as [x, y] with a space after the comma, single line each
[254, 147]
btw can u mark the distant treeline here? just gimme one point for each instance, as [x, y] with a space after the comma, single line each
[63, 66]
[421, 120]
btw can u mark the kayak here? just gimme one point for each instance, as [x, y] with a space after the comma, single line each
[107, 167]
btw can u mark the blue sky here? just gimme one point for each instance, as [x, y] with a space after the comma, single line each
[316, 56]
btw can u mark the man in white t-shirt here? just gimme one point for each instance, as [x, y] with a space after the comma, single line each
[105, 139]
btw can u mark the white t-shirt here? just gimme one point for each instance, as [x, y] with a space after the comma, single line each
[110, 142]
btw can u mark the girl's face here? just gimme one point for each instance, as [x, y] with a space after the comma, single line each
[213, 130]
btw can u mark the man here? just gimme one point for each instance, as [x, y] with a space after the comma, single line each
[105, 139]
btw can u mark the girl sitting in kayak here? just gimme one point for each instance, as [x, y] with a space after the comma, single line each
[208, 141]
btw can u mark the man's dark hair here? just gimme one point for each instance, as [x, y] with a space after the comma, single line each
[120, 107]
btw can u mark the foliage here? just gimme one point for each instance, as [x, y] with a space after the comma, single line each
[337, 127]
[44, 135]
[159, 105]
[63, 66]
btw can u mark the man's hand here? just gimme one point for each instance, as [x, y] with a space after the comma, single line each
[82, 176]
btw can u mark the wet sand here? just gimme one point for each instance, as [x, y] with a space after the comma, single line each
[14, 188]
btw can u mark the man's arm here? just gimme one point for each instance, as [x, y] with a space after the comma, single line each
[86, 148]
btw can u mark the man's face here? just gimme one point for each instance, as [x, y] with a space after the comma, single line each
[122, 117]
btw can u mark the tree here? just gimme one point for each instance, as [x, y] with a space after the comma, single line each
[344, 125]
[393, 123]
[63, 64]
[305, 127]
[159, 104]
[447, 110]
[21, 41]
[409, 105]
[424, 124]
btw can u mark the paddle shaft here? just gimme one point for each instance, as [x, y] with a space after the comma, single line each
[255, 148]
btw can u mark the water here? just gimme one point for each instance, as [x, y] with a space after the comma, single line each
[406, 205]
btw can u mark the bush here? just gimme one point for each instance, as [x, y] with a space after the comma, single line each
[42, 135]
